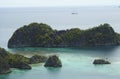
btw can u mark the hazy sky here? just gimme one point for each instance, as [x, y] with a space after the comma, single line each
[31, 3]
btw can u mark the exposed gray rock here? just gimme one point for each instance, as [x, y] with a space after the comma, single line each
[101, 61]
[22, 65]
[53, 61]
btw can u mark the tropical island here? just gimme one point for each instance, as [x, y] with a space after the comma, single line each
[42, 35]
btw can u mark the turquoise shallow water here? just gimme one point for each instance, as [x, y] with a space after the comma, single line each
[77, 63]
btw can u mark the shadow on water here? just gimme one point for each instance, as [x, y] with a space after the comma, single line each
[97, 48]
[36, 49]
[99, 51]
[53, 70]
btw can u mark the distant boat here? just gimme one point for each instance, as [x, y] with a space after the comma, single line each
[74, 13]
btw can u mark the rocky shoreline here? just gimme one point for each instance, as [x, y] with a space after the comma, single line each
[8, 61]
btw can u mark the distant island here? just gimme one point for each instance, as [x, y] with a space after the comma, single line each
[42, 35]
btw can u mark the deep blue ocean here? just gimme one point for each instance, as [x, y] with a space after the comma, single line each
[77, 62]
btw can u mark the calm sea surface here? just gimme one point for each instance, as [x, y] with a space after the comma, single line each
[77, 62]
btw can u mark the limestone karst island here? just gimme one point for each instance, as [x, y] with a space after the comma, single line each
[42, 35]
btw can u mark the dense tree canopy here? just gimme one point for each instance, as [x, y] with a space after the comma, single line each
[42, 35]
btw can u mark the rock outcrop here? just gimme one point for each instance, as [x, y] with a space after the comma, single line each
[4, 67]
[37, 59]
[21, 65]
[53, 61]
[101, 61]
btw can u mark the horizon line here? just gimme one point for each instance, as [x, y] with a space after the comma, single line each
[57, 6]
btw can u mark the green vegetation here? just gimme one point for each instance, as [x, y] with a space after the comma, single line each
[4, 66]
[32, 35]
[8, 60]
[37, 59]
[12, 59]
[42, 35]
